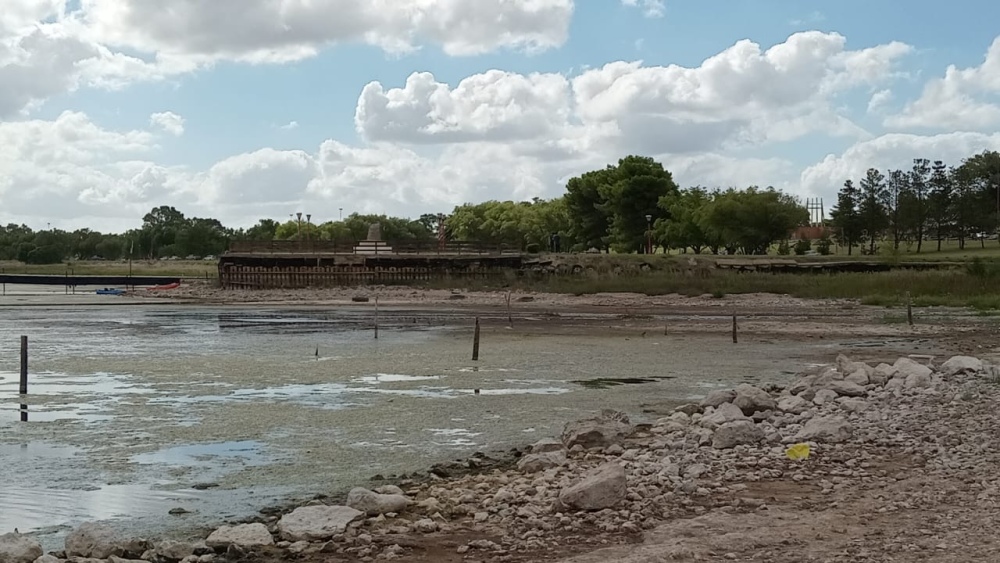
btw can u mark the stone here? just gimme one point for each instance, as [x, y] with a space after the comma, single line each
[905, 367]
[859, 377]
[600, 488]
[845, 366]
[824, 396]
[752, 399]
[316, 523]
[114, 559]
[173, 550]
[695, 471]
[918, 381]
[425, 526]
[854, 405]
[690, 409]
[882, 374]
[961, 364]
[534, 463]
[93, 540]
[735, 433]
[546, 445]
[794, 405]
[374, 232]
[15, 548]
[718, 397]
[51, 559]
[599, 432]
[825, 429]
[802, 384]
[374, 504]
[614, 449]
[390, 490]
[847, 389]
[724, 413]
[244, 535]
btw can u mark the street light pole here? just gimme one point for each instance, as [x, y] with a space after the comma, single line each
[649, 234]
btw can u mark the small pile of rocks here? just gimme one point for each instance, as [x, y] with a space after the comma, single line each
[605, 479]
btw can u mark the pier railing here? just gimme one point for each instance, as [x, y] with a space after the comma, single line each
[431, 247]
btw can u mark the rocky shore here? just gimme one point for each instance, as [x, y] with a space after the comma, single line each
[855, 462]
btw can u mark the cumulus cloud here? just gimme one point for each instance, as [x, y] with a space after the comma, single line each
[966, 98]
[650, 8]
[169, 122]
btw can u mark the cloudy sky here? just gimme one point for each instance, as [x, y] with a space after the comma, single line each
[241, 109]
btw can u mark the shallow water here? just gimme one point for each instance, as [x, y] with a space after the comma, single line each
[131, 408]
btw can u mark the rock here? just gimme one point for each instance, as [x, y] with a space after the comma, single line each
[15, 548]
[425, 526]
[114, 559]
[847, 389]
[846, 366]
[961, 364]
[825, 429]
[718, 397]
[882, 373]
[598, 432]
[802, 384]
[859, 377]
[390, 490]
[49, 559]
[600, 488]
[614, 449]
[695, 471]
[918, 381]
[534, 463]
[751, 399]
[546, 445]
[733, 434]
[93, 540]
[244, 535]
[173, 550]
[315, 523]
[905, 367]
[374, 504]
[854, 405]
[794, 405]
[824, 396]
[690, 409]
[724, 413]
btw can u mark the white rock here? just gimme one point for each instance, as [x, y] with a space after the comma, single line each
[598, 432]
[94, 540]
[174, 550]
[314, 523]
[962, 364]
[718, 397]
[374, 504]
[244, 535]
[751, 399]
[859, 377]
[905, 367]
[390, 490]
[533, 463]
[546, 445]
[15, 548]
[425, 526]
[600, 488]
[854, 405]
[882, 373]
[695, 471]
[794, 405]
[726, 412]
[53, 559]
[824, 396]
[825, 429]
[919, 380]
[735, 433]
[847, 388]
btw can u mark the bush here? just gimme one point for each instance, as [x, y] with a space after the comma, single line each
[824, 245]
[784, 249]
[533, 248]
[803, 246]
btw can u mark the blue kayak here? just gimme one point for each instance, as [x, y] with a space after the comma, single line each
[107, 291]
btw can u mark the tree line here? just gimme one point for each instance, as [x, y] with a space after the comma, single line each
[928, 204]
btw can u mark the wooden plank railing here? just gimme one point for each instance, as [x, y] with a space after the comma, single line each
[292, 246]
[347, 247]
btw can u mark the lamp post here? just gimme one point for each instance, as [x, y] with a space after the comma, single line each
[341, 213]
[649, 234]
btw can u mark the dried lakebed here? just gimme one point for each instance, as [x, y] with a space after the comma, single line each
[137, 411]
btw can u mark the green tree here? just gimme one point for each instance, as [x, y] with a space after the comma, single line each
[846, 218]
[940, 200]
[637, 185]
[683, 229]
[588, 209]
[752, 220]
[872, 207]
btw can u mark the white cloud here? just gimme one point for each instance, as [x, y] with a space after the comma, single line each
[650, 8]
[963, 99]
[879, 101]
[291, 125]
[169, 122]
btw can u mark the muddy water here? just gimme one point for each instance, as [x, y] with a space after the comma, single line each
[134, 411]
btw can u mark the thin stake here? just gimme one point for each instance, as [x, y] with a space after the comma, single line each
[475, 343]
[24, 365]
[735, 338]
[376, 317]
[510, 318]
[665, 330]
[909, 309]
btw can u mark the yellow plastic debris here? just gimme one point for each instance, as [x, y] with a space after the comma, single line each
[798, 452]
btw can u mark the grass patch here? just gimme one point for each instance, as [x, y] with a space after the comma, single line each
[179, 268]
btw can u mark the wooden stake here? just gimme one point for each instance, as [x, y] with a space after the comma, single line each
[665, 330]
[735, 338]
[24, 365]
[909, 309]
[475, 343]
[376, 317]
[510, 318]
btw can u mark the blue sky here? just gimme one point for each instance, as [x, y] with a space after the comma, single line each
[263, 138]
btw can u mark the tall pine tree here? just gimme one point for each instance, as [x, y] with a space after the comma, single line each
[845, 218]
[872, 209]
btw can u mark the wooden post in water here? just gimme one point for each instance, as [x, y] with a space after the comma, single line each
[510, 318]
[475, 343]
[735, 338]
[24, 365]
[376, 317]
[909, 309]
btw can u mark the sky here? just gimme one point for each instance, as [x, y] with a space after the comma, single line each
[243, 109]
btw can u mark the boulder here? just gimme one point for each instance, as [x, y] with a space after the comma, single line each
[962, 364]
[847, 389]
[751, 399]
[881, 374]
[718, 397]
[534, 463]
[845, 366]
[316, 523]
[546, 445]
[53, 559]
[918, 381]
[794, 405]
[726, 412]
[426, 526]
[389, 490]
[802, 384]
[825, 429]
[111, 559]
[93, 540]
[859, 377]
[173, 550]
[15, 548]
[599, 432]
[905, 367]
[244, 535]
[373, 504]
[733, 434]
[690, 409]
[600, 488]
[824, 396]
[853, 405]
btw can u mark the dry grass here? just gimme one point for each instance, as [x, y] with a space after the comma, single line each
[180, 268]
